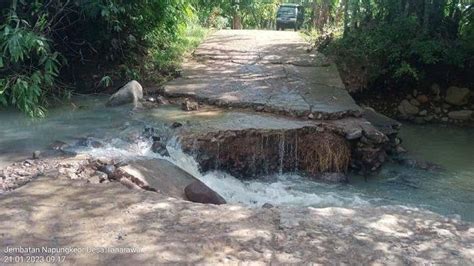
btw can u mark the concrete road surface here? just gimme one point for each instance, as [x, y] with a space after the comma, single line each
[271, 69]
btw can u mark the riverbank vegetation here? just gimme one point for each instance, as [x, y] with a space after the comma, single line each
[50, 48]
[383, 45]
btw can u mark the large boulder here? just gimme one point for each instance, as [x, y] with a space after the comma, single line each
[461, 115]
[458, 96]
[197, 191]
[132, 92]
[160, 175]
[406, 108]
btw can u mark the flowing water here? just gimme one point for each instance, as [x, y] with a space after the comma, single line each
[449, 192]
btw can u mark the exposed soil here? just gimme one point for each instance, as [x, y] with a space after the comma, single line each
[105, 221]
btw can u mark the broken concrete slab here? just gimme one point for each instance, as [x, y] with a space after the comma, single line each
[263, 68]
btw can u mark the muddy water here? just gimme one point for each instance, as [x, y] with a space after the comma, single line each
[447, 192]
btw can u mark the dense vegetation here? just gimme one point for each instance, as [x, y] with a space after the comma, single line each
[402, 43]
[49, 47]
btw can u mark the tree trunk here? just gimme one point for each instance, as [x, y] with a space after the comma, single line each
[236, 22]
[426, 16]
[346, 17]
[316, 11]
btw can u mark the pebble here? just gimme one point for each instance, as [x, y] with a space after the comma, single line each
[176, 125]
[36, 154]
[414, 102]
[354, 134]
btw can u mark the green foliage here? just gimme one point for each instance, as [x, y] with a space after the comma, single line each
[94, 37]
[401, 44]
[28, 66]
[167, 56]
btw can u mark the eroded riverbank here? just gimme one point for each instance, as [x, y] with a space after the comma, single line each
[117, 134]
[378, 220]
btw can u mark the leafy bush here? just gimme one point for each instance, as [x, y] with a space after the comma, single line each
[398, 53]
[28, 65]
[81, 40]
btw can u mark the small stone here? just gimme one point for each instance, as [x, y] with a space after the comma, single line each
[162, 100]
[444, 119]
[414, 102]
[423, 113]
[150, 99]
[397, 141]
[435, 89]
[101, 176]
[462, 115]
[399, 149]
[429, 118]
[267, 206]
[415, 93]
[406, 108]
[311, 116]
[36, 154]
[457, 96]
[160, 148]
[354, 134]
[259, 108]
[176, 125]
[437, 110]
[422, 99]
[108, 169]
[189, 105]
[58, 145]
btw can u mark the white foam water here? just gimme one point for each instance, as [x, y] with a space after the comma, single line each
[279, 189]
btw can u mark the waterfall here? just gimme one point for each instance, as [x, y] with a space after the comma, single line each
[217, 162]
[296, 152]
[281, 152]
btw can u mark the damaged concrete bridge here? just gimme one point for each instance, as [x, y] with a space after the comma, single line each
[272, 72]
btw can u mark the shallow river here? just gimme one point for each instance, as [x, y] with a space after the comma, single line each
[449, 192]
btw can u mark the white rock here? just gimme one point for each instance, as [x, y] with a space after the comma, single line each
[457, 96]
[406, 108]
[461, 115]
[132, 92]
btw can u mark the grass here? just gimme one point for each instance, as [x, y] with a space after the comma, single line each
[164, 60]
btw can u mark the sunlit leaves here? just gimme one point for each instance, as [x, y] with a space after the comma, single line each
[28, 65]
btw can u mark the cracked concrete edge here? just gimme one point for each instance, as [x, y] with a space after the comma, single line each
[259, 107]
